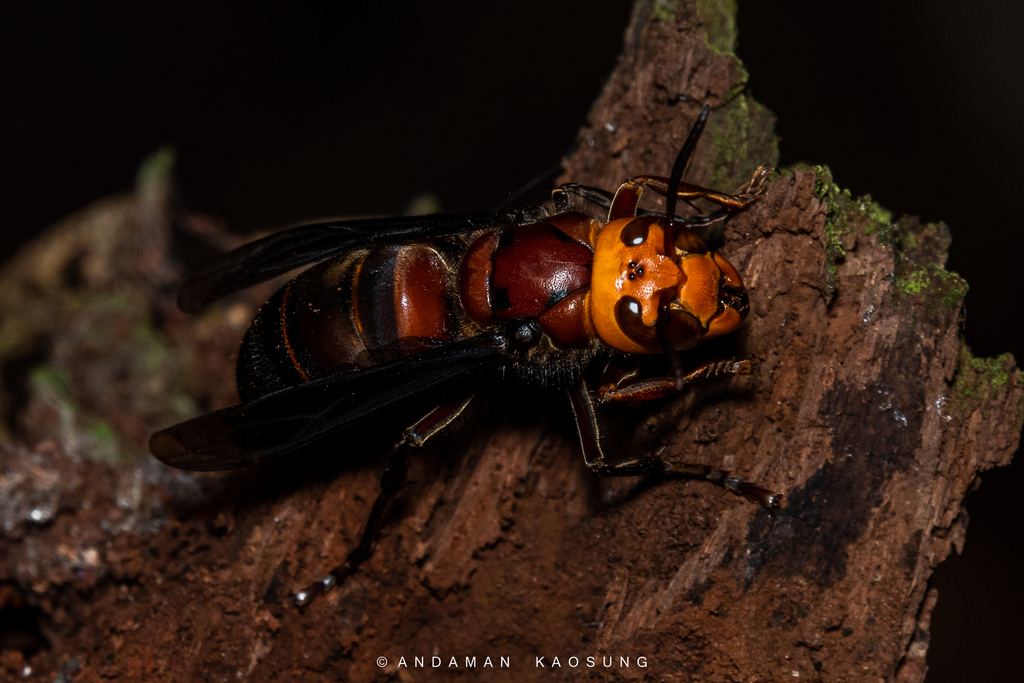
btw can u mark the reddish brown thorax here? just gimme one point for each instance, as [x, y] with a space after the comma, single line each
[533, 271]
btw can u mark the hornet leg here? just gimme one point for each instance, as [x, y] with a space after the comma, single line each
[627, 197]
[603, 198]
[582, 400]
[560, 195]
[390, 484]
[621, 387]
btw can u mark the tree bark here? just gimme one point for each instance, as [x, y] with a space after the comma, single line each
[865, 409]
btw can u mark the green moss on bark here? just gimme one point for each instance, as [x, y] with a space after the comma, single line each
[920, 248]
[665, 9]
[843, 211]
[979, 382]
[718, 19]
[744, 140]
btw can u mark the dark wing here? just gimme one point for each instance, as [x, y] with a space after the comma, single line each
[285, 420]
[275, 254]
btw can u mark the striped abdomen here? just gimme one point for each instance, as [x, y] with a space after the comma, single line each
[352, 311]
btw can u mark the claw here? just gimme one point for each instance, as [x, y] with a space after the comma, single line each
[311, 592]
[753, 493]
[756, 494]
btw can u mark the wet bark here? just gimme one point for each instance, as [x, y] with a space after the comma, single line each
[865, 410]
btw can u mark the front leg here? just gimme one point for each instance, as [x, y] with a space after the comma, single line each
[618, 386]
[583, 406]
[626, 200]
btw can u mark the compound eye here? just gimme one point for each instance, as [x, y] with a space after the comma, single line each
[684, 330]
[635, 234]
[629, 316]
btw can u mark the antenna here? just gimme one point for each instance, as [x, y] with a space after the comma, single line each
[671, 197]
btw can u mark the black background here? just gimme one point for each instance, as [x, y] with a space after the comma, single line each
[280, 114]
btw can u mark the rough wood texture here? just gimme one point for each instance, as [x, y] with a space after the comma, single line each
[865, 409]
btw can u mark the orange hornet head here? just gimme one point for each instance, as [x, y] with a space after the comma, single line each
[634, 273]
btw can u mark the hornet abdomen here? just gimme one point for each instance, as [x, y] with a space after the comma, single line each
[353, 311]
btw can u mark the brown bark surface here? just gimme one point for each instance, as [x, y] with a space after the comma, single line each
[865, 409]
